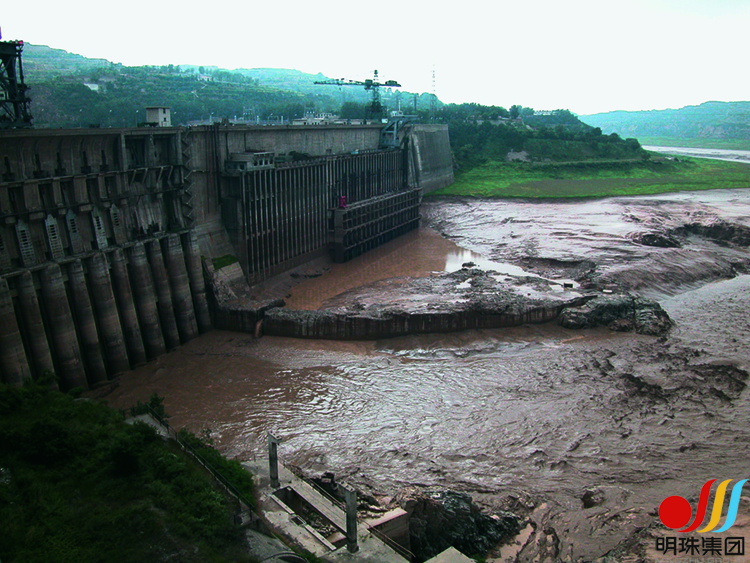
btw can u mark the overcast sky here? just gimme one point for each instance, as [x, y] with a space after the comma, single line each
[588, 56]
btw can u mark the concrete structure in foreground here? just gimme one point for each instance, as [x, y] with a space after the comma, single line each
[103, 232]
[310, 520]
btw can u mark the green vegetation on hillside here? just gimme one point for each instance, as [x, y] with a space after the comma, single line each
[597, 179]
[44, 63]
[69, 90]
[124, 93]
[79, 485]
[556, 155]
[482, 135]
[702, 124]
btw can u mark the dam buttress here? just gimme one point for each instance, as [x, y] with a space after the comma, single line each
[105, 234]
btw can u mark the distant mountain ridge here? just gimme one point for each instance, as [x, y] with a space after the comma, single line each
[710, 121]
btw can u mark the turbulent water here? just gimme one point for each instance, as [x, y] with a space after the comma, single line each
[584, 432]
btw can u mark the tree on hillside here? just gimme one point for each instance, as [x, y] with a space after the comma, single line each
[352, 110]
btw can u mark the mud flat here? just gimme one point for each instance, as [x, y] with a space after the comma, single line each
[580, 432]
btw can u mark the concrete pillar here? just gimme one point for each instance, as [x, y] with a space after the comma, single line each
[350, 498]
[115, 351]
[13, 362]
[144, 296]
[273, 460]
[128, 315]
[181, 297]
[197, 282]
[91, 348]
[41, 356]
[62, 327]
[163, 294]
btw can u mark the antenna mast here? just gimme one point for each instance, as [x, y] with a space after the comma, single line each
[434, 95]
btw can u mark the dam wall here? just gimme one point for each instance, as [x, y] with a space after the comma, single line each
[280, 214]
[99, 262]
[430, 157]
[91, 317]
[104, 233]
[208, 148]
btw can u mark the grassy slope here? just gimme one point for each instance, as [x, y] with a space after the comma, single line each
[597, 179]
[79, 485]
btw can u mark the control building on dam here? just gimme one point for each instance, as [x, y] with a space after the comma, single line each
[106, 235]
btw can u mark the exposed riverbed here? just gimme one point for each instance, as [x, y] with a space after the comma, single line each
[584, 432]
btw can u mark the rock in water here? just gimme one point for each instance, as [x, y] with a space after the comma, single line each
[624, 312]
[439, 520]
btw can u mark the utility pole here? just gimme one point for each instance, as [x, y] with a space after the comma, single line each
[433, 99]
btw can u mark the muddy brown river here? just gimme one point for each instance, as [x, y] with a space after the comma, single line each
[582, 432]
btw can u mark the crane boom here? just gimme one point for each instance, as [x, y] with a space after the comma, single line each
[372, 84]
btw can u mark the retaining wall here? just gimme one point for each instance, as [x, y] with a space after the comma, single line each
[336, 325]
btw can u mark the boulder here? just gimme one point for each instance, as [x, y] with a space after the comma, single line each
[442, 519]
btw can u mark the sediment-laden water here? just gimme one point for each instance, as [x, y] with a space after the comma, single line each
[584, 432]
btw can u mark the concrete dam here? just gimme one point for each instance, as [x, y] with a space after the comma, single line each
[108, 236]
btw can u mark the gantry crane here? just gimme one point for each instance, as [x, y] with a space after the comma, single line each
[14, 103]
[375, 109]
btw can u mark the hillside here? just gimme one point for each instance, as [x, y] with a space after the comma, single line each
[69, 90]
[485, 134]
[117, 97]
[79, 484]
[42, 63]
[709, 124]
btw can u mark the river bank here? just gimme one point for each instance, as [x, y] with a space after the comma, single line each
[735, 155]
[582, 432]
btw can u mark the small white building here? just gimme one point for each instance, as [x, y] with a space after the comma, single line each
[159, 116]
